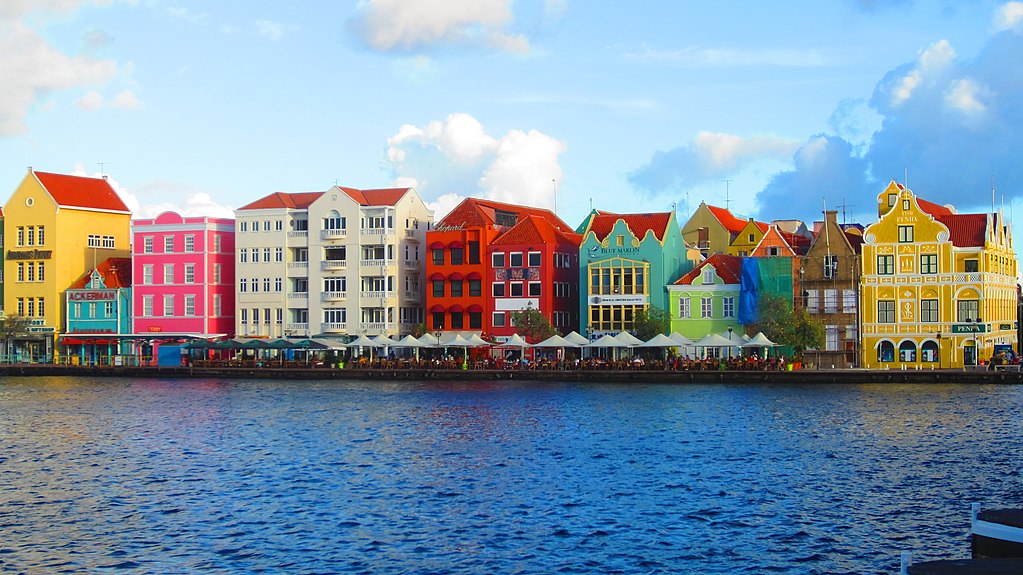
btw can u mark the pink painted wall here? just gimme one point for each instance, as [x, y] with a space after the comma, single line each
[204, 256]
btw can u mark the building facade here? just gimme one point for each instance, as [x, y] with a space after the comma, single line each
[99, 312]
[626, 263]
[339, 263]
[183, 272]
[829, 276]
[706, 299]
[938, 288]
[58, 228]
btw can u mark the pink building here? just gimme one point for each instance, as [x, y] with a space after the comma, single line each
[184, 270]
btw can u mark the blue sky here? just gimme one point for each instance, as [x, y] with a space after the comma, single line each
[771, 107]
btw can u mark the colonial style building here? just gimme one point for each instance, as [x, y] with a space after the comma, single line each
[58, 227]
[938, 288]
[714, 230]
[490, 259]
[99, 315]
[343, 263]
[829, 276]
[626, 264]
[706, 299]
[183, 270]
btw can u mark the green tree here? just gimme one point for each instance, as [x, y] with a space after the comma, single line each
[651, 321]
[532, 325]
[787, 326]
[12, 326]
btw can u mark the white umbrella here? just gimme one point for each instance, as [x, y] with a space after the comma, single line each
[574, 337]
[660, 340]
[411, 341]
[759, 340]
[609, 341]
[628, 338]
[555, 341]
[383, 340]
[477, 341]
[681, 339]
[714, 340]
[363, 341]
[429, 339]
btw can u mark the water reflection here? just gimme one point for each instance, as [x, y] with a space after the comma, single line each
[158, 476]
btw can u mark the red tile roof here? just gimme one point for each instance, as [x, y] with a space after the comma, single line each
[478, 213]
[116, 274]
[602, 224]
[728, 268]
[381, 197]
[536, 230]
[81, 192]
[965, 230]
[933, 208]
[732, 223]
[276, 200]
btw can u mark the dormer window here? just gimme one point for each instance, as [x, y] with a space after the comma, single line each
[708, 275]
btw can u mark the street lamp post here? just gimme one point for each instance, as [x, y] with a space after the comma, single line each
[729, 342]
[939, 350]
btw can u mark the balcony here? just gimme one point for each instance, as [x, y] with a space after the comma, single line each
[410, 234]
[333, 234]
[374, 327]
[297, 328]
[410, 265]
[377, 267]
[299, 234]
[298, 297]
[333, 296]
[333, 327]
[376, 236]
[333, 265]
[374, 294]
[298, 265]
[411, 296]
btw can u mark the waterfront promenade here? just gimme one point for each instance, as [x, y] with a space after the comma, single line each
[601, 375]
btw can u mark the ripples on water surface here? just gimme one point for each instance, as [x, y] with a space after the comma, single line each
[218, 476]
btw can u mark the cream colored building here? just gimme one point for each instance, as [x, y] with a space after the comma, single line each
[344, 262]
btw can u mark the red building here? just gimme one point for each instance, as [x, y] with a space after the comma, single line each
[483, 252]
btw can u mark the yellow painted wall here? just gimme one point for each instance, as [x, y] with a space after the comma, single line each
[742, 243]
[993, 286]
[66, 238]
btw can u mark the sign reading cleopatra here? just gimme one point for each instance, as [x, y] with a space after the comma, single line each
[92, 295]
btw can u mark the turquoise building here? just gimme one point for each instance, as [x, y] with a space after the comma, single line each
[626, 262]
[99, 315]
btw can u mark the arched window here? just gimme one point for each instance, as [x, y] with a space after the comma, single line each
[333, 221]
[907, 351]
[929, 351]
[886, 351]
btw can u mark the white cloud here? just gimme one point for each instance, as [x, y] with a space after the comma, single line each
[443, 205]
[726, 152]
[1008, 16]
[413, 24]
[127, 100]
[197, 204]
[32, 68]
[273, 30]
[965, 95]
[931, 62]
[91, 100]
[698, 56]
[455, 158]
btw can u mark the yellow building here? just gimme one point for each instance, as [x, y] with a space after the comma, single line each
[938, 288]
[58, 227]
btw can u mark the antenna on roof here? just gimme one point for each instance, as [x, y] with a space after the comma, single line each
[843, 206]
[555, 184]
[102, 169]
[727, 199]
[992, 193]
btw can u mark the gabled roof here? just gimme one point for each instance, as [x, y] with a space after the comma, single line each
[116, 274]
[965, 230]
[732, 223]
[536, 230]
[933, 208]
[602, 224]
[81, 192]
[480, 213]
[279, 200]
[728, 268]
[381, 197]
[855, 241]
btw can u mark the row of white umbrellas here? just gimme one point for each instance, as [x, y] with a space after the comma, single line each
[573, 339]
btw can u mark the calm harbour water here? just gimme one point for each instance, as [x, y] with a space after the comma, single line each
[231, 476]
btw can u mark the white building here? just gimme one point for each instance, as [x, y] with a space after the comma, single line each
[344, 262]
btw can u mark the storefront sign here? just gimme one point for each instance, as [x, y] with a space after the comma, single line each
[92, 295]
[969, 328]
[29, 254]
[633, 299]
